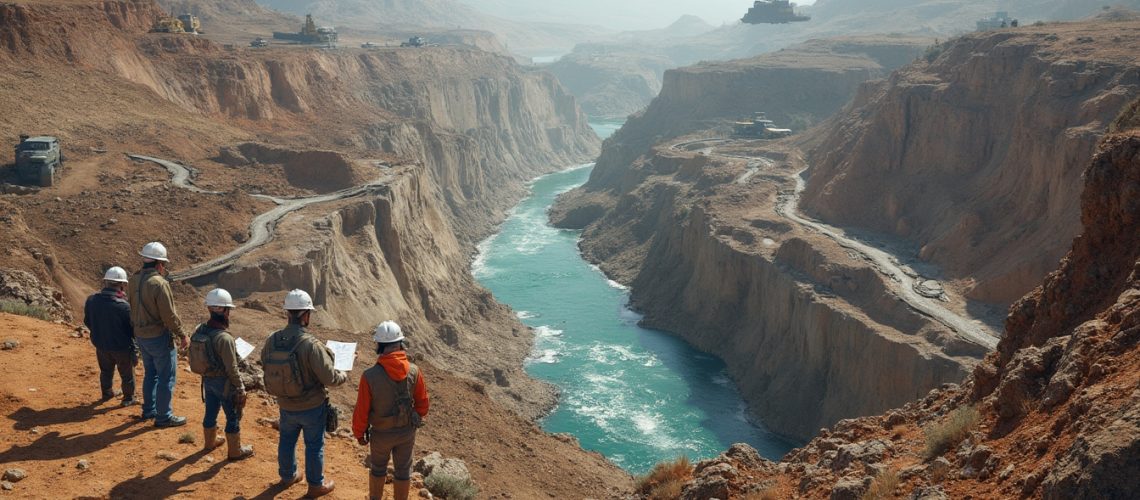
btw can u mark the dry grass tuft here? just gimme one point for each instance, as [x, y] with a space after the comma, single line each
[883, 486]
[666, 479]
[946, 435]
[23, 309]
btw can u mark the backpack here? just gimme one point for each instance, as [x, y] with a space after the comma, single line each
[203, 358]
[282, 370]
[405, 415]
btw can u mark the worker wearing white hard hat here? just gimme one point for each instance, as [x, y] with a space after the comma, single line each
[158, 330]
[298, 369]
[391, 404]
[107, 315]
[213, 355]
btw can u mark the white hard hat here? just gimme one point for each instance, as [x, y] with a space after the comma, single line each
[154, 251]
[298, 300]
[116, 274]
[219, 297]
[388, 332]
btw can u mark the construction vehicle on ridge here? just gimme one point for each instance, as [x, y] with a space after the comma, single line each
[760, 127]
[415, 41]
[184, 23]
[37, 159]
[310, 33]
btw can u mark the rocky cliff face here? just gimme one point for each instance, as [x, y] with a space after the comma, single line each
[709, 257]
[1052, 414]
[971, 156]
[470, 126]
[796, 87]
[481, 123]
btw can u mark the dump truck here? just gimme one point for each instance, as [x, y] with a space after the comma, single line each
[773, 12]
[190, 23]
[759, 127]
[37, 160]
[310, 33]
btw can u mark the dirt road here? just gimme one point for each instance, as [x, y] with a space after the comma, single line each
[261, 230]
[904, 282]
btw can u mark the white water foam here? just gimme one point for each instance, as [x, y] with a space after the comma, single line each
[548, 346]
[479, 267]
[525, 315]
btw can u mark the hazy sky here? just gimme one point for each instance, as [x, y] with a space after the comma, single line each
[618, 14]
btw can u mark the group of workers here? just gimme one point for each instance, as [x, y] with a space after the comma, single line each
[135, 316]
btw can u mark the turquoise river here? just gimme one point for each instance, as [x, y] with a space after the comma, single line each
[637, 396]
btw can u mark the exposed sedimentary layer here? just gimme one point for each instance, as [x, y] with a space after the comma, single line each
[973, 157]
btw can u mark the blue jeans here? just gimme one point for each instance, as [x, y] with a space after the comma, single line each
[160, 365]
[312, 422]
[216, 397]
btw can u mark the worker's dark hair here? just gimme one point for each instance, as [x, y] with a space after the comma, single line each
[382, 346]
[295, 316]
[150, 265]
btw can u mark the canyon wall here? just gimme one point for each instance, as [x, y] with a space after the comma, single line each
[462, 130]
[796, 87]
[971, 155]
[810, 334]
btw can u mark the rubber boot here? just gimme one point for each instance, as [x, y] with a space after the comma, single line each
[400, 488]
[237, 451]
[321, 490]
[375, 487]
[211, 439]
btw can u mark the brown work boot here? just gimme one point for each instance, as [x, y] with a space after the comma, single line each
[321, 489]
[285, 483]
[211, 439]
[375, 487]
[237, 451]
[400, 488]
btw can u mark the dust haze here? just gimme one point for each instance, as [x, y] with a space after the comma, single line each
[624, 15]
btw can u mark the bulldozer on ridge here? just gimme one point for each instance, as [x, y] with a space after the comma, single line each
[185, 23]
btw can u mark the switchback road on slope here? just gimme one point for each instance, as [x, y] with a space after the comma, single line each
[261, 230]
[905, 283]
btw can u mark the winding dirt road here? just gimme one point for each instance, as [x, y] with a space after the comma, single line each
[904, 282]
[261, 230]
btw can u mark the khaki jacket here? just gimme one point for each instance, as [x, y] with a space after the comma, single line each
[152, 306]
[225, 348]
[316, 364]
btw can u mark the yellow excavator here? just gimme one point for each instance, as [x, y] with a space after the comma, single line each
[185, 23]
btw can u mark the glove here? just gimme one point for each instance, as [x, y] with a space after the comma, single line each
[240, 400]
[183, 343]
[363, 440]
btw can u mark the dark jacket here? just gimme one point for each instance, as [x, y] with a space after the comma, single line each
[108, 315]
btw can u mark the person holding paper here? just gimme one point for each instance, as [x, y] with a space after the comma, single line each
[390, 406]
[298, 371]
[213, 355]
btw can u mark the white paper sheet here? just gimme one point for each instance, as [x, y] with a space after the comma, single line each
[244, 349]
[344, 353]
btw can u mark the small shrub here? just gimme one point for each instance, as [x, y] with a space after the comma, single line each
[187, 438]
[666, 479]
[946, 435]
[1129, 118]
[24, 309]
[933, 51]
[449, 487]
[883, 486]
